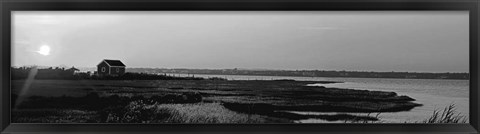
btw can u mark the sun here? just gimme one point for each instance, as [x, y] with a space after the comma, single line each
[44, 50]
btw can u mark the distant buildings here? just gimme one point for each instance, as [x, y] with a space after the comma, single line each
[111, 68]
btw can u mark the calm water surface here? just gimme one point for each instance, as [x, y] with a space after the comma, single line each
[432, 93]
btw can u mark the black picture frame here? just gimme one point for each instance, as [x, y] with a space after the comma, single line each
[7, 6]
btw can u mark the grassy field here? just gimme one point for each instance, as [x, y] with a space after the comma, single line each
[193, 101]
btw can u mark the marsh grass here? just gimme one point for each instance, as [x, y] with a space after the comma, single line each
[204, 101]
[448, 115]
[54, 116]
[134, 112]
[359, 121]
[140, 112]
[206, 113]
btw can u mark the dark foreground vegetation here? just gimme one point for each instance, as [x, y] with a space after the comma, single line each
[195, 101]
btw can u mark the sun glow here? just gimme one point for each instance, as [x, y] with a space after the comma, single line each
[44, 50]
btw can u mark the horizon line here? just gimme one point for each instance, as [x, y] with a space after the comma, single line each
[256, 69]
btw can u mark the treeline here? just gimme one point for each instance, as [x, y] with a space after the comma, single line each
[73, 74]
[43, 73]
[309, 73]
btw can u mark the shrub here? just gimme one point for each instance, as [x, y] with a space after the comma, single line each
[447, 115]
[137, 112]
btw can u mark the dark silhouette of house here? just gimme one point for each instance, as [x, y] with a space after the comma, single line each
[111, 68]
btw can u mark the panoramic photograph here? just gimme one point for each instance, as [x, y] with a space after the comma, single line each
[240, 67]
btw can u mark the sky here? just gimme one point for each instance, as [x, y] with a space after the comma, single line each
[413, 41]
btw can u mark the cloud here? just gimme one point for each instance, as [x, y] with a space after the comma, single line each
[321, 28]
[62, 20]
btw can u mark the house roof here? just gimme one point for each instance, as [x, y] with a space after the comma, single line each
[114, 63]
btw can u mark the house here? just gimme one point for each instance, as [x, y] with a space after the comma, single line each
[111, 68]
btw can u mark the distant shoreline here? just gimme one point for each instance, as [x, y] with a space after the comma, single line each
[314, 76]
[307, 73]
